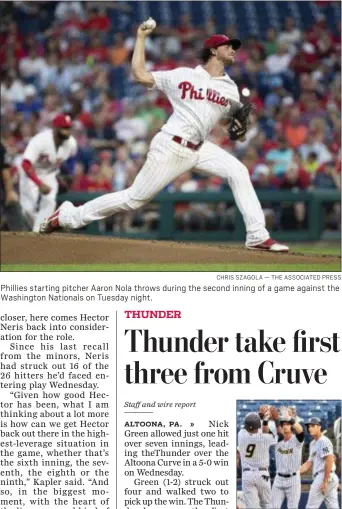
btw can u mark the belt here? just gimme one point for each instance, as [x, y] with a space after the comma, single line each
[287, 475]
[321, 472]
[186, 143]
[255, 469]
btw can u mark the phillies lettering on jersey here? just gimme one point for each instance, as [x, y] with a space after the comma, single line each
[44, 163]
[212, 95]
[199, 101]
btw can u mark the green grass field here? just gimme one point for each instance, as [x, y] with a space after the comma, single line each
[174, 268]
[328, 250]
[322, 249]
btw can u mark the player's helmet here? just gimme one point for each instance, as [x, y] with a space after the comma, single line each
[252, 421]
[314, 420]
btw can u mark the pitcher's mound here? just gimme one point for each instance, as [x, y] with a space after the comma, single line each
[31, 248]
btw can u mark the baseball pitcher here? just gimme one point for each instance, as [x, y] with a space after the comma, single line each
[288, 453]
[321, 460]
[200, 98]
[254, 450]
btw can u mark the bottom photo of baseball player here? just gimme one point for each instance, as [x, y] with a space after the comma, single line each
[289, 454]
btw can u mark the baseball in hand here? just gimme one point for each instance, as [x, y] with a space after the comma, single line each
[150, 24]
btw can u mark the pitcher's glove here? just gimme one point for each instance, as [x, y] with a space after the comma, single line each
[239, 122]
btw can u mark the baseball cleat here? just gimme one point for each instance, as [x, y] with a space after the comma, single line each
[270, 245]
[50, 224]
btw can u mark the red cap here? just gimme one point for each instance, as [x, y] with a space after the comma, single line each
[62, 121]
[220, 40]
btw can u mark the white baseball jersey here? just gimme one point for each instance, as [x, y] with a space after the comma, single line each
[288, 455]
[42, 153]
[319, 449]
[255, 457]
[45, 158]
[199, 101]
[254, 449]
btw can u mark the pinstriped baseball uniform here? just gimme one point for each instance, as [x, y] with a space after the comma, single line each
[199, 102]
[287, 482]
[41, 151]
[319, 450]
[255, 453]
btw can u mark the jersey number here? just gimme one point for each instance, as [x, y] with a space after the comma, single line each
[250, 450]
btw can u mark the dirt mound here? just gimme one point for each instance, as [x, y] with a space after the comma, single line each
[22, 248]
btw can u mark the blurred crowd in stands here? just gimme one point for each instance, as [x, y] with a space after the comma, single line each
[68, 56]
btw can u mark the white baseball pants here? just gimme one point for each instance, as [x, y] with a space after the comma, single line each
[316, 497]
[165, 161]
[286, 487]
[256, 487]
[35, 206]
